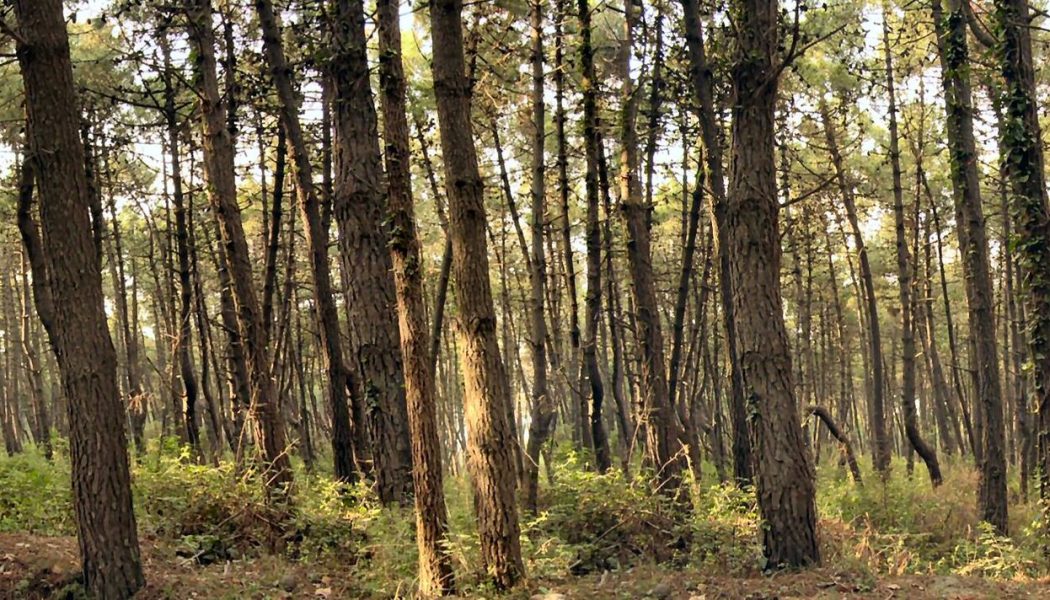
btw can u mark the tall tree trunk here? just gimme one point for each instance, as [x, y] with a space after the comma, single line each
[222, 193]
[32, 360]
[488, 433]
[435, 562]
[317, 246]
[904, 278]
[360, 206]
[68, 285]
[593, 298]
[661, 424]
[784, 473]
[973, 245]
[1024, 164]
[570, 362]
[881, 442]
[703, 86]
[542, 418]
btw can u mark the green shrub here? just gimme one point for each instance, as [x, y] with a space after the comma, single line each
[36, 496]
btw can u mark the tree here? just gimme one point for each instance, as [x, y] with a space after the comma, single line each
[339, 381]
[783, 473]
[360, 209]
[973, 245]
[222, 194]
[68, 293]
[904, 279]
[435, 562]
[1021, 151]
[489, 435]
[661, 425]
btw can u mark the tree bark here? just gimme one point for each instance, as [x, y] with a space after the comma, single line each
[973, 245]
[222, 193]
[488, 432]
[784, 473]
[65, 262]
[360, 206]
[435, 562]
[904, 278]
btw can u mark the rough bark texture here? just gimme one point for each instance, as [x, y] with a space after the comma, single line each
[69, 269]
[1024, 164]
[661, 425]
[701, 78]
[489, 435]
[317, 246]
[435, 563]
[783, 471]
[360, 206]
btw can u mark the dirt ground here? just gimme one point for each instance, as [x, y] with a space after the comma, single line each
[34, 567]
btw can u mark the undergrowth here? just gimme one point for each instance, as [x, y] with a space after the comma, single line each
[586, 522]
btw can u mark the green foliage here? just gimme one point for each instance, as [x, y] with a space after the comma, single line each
[36, 496]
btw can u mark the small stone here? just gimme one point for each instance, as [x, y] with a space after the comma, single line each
[549, 596]
[661, 591]
[288, 582]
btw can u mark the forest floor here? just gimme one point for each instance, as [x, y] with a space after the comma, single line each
[207, 533]
[33, 567]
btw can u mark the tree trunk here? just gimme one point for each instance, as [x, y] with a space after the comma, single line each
[360, 206]
[703, 86]
[542, 418]
[593, 299]
[488, 432]
[973, 245]
[784, 474]
[435, 562]
[661, 425]
[881, 442]
[904, 278]
[222, 193]
[317, 246]
[1024, 164]
[68, 284]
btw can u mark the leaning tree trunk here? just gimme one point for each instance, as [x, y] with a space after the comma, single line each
[847, 448]
[784, 473]
[881, 443]
[489, 435]
[435, 562]
[703, 86]
[339, 381]
[661, 425]
[67, 281]
[222, 193]
[904, 279]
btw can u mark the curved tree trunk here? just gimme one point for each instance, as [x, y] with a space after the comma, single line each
[68, 286]
[904, 279]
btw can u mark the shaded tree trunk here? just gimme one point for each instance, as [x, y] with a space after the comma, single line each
[67, 282]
